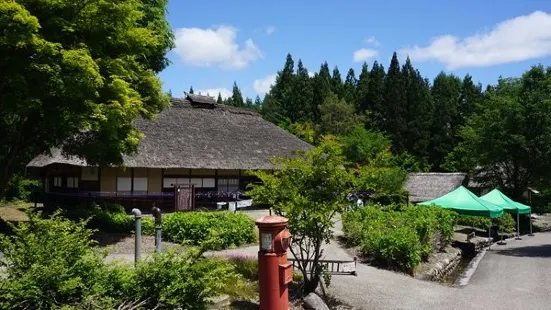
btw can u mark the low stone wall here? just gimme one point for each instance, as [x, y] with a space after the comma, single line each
[439, 264]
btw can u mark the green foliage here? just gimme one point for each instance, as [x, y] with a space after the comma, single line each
[170, 280]
[362, 146]
[505, 223]
[508, 138]
[52, 265]
[398, 236]
[309, 190]
[105, 218]
[76, 75]
[304, 131]
[51, 262]
[446, 91]
[245, 266]
[20, 188]
[474, 221]
[230, 229]
[337, 116]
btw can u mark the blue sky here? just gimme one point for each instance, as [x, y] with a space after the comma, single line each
[219, 42]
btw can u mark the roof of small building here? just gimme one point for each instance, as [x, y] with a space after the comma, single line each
[197, 133]
[428, 186]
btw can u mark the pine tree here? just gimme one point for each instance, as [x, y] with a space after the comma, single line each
[257, 101]
[419, 113]
[270, 109]
[395, 111]
[303, 93]
[362, 90]
[471, 95]
[281, 92]
[350, 85]
[375, 103]
[237, 98]
[322, 86]
[191, 89]
[249, 103]
[219, 100]
[336, 83]
[446, 91]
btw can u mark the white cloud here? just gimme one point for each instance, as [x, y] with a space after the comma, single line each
[364, 54]
[270, 29]
[213, 92]
[262, 86]
[311, 73]
[214, 47]
[517, 39]
[371, 40]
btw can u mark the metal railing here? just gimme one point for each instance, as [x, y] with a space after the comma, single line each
[334, 267]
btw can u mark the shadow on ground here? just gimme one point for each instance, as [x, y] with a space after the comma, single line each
[527, 251]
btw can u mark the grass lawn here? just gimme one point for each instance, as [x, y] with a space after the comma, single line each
[14, 212]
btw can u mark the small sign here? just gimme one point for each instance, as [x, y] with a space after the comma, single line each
[348, 267]
[266, 242]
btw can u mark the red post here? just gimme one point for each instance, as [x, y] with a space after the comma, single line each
[274, 271]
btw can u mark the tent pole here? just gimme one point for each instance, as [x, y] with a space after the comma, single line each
[518, 227]
[530, 219]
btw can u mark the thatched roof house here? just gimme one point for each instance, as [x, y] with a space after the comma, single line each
[195, 141]
[427, 186]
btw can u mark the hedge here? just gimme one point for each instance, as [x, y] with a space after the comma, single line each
[222, 229]
[504, 223]
[230, 229]
[398, 237]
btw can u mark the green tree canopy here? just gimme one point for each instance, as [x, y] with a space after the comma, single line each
[76, 74]
[337, 115]
[507, 143]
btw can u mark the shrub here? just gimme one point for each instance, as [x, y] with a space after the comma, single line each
[111, 219]
[398, 236]
[170, 280]
[474, 221]
[20, 188]
[52, 265]
[51, 262]
[245, 266]
[504, 223]
[194, 227]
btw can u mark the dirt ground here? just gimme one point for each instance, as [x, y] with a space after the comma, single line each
[14, 212]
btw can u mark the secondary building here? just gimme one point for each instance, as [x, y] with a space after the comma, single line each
[194, 142]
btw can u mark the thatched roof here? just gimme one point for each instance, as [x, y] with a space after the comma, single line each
[197, 133]
[427, 186]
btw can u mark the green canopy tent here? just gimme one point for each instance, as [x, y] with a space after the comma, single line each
[509, 206]
[464, 202]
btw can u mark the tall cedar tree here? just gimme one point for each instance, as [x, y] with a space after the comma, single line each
[395, 111]
[375, 96]
[350, 86]
[191, 89]
[446, 91]
[237, 97]
[322, 87]
[303, 93]
[270, 109]
[337, 86]
[471, 96]
[419, 112]
[219, 100]
[362, 91]
[282, 91]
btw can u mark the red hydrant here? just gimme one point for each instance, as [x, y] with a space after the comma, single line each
[274, 271]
